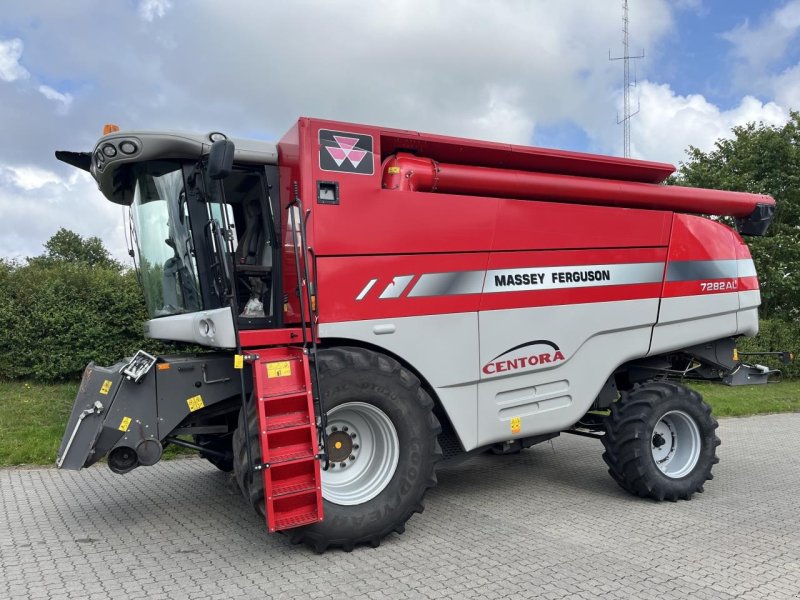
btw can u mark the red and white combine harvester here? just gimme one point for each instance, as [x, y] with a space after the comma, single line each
[374, 300]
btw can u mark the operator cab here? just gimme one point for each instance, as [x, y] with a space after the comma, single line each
[203, 242]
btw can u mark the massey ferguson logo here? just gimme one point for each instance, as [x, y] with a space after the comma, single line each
[345, 152]
[530, 354]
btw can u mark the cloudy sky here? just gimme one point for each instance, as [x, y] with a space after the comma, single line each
[524, 71]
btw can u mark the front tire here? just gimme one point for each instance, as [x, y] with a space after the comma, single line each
[660, 441]
[381, 427]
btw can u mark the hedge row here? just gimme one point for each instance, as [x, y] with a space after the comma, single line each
[774, 335]
[55, 318]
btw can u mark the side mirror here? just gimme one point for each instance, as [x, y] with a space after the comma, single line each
[220, 159]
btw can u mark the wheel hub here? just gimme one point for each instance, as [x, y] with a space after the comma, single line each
[339, 445]
[675, 444]
[363, 451]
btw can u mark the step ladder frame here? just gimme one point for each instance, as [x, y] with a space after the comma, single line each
[275, 390]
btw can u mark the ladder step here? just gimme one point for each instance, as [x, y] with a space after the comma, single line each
[270, 397]
[291, 489]
[293, 419]
[287, 453]
[297, 520]
[294, 477]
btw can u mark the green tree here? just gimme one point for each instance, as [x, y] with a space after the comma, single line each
[761, 159]
[68, 246]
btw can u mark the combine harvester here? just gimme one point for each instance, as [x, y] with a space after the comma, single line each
[376, 300]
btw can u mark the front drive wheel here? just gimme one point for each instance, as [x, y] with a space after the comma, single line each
[660, 441]
[382, 446]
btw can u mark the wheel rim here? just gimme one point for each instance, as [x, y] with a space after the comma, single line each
[675, 444]
[363, 449]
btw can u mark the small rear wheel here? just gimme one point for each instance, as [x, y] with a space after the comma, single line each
[660, 441]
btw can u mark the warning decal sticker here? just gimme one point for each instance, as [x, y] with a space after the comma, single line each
[279, 369]
[195, 403]
[346, 152]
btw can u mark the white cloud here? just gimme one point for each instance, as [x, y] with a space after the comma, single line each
[786, 87]
[668, 122]
[28, 177]
[760, 45]
[65, 99]
[35, 202]
[759, 49]
[10, 53]
[150, 10]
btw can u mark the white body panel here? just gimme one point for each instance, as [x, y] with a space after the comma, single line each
[594, 340]
[747, 317]
[443, 348]
[212, 328]
[688, 320]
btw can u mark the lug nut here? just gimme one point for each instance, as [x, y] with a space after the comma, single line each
[355, 446]
[352, 457]
[334, 429]
[343, 465]
[353, 435]
[344, 429]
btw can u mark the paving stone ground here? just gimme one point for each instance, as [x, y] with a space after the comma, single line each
[548, 523]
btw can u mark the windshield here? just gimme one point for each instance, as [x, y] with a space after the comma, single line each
[163, 239]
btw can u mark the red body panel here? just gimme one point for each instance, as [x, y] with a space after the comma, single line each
[374, 233]
[702, 241]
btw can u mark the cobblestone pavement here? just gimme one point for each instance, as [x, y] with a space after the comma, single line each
[549, 523]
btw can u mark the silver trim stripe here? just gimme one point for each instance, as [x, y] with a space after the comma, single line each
[550, 278]
[396, 287]
[366, 289]
[522, 279]
[747, 268]
[448, 284]
[692, 270]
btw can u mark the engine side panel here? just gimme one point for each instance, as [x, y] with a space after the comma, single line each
[710, 289]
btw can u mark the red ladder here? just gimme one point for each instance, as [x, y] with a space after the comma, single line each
[288, 434]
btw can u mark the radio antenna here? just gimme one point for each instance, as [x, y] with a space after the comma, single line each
[626, 59]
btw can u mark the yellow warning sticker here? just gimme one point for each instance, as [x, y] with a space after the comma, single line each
[516, 425]
[195, 403]
[126, 422]
[106, 387]
[393, 170]
[238, 361]
[279, 369]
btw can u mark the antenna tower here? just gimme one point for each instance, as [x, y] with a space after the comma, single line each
[626, 59]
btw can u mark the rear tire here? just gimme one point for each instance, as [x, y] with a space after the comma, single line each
[660, 441]
[393, 466]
